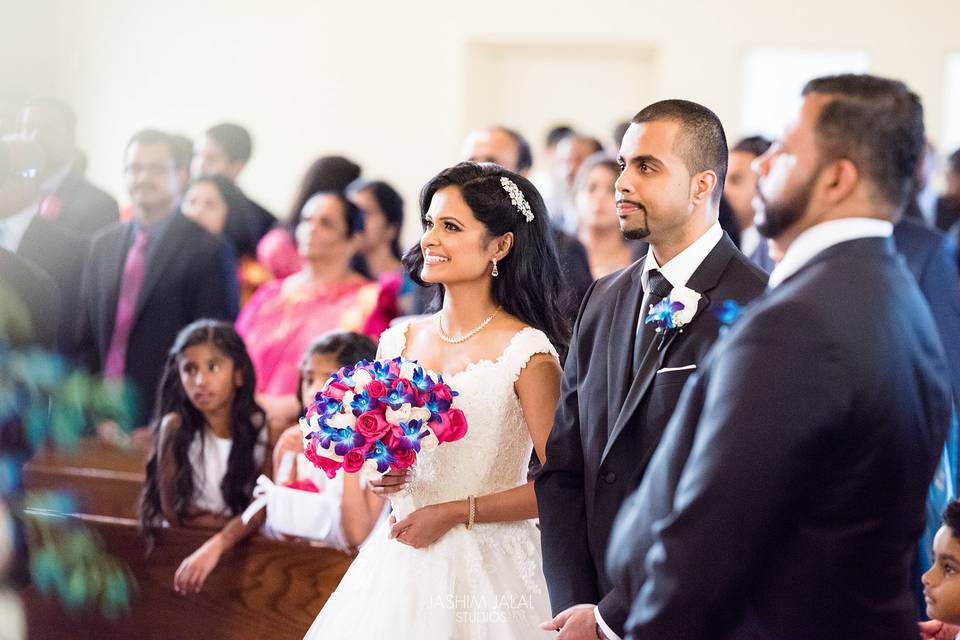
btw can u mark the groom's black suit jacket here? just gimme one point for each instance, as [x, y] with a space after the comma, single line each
[786, 499]
[609, 420]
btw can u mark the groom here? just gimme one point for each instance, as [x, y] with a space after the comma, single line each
[627, 366]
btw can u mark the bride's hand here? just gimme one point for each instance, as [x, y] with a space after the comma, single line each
[391, 482]
[424, 526]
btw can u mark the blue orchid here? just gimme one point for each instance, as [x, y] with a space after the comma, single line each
[382, 456]
[661, 314]
[362, 402]
[422, 381]
[397, 397]
[329, 407]
[346, 440]
[728, 313]
[381, 372]
[412, 432]
[328, 435]
[436, 406]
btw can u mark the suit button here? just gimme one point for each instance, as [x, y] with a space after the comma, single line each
[610, 477]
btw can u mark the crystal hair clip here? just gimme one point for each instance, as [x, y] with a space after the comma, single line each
[516, 197]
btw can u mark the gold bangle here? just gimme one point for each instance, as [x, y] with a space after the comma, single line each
[472, 506]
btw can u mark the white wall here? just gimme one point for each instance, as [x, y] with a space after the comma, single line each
[385, 82]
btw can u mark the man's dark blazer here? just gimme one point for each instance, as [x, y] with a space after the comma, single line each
[932, 259]
[86, 208]
[788, 494]
[609, 421]
[61, 253]
[191, 274]
[39, 295]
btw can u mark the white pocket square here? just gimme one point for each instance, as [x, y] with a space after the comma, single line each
[669, 369]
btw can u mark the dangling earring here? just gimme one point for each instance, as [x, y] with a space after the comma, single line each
[495, 273]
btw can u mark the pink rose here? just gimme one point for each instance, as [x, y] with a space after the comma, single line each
[329, 467]
[372, 425]
[376, 389]
[394, 367]
[353, 461]
[405, 459]
[444, 392]
[452, 426]
[336, 391]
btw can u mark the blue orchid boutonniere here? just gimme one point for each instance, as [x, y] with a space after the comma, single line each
[674, 311]
[727, 313]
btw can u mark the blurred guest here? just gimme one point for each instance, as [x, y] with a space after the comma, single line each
[212, 202]
[57, 250]
[277, 250]
[739, 190]
[69, 199]
[598, 226]
[148, 278]
[379, 243]
[183, 157]
[285, 315]
[548, 179]
[511, 151]
[570, 154]
[616, 137]
[948, 206]
[224, 150]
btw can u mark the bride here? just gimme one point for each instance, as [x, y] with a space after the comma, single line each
[460, 556]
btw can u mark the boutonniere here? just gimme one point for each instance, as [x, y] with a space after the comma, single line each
[727, 313]
[673, 312]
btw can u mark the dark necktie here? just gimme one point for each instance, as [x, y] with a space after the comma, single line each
[658, 288]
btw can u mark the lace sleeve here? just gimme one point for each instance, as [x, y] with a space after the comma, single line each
[524, 346]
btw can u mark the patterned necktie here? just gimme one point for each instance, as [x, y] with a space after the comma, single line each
[658, 288]
[130, 284]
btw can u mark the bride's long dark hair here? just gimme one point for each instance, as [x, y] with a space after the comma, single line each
[529, 286]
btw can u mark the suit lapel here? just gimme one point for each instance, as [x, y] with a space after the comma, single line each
[623, 333]
[705, 278]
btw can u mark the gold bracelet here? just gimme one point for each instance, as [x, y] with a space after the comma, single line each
[472, 505]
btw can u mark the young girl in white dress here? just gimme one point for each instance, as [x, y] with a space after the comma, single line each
[460, 556]
[210, 446]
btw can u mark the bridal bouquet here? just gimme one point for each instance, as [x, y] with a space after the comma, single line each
[378, 416]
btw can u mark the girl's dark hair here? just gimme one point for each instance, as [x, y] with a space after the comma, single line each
[951, 517]
[348, 347]
[327, 173]
[238, 227]
[529, 284]
[247, 422]
[390, 202]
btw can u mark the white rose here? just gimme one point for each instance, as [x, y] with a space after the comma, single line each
[689, 299]
[306, 427]
[342, 421]
[326, 453]
[421, 414]
[429, 442]
[407, 369]
[403, 414]
[347, 398]
[360, 380]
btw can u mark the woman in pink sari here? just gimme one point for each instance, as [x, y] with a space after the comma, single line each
[283, 316]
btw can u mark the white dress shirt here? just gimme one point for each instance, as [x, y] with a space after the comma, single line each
[822, 236]
[12, 229]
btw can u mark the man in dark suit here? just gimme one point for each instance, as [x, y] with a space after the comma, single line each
[148, 278]
[59, 253]
[69, 200]
[622, 378]
[788, 494]
[224, 150]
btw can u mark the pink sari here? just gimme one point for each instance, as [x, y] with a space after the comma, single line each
[277, 326]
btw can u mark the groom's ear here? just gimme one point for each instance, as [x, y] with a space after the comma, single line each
[504, 245]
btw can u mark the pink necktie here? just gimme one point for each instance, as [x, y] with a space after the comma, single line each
[133, 270]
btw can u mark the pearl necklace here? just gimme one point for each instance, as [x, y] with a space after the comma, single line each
[446, 338]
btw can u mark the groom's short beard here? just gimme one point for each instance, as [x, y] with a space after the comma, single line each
[779, 216]
[642, 232]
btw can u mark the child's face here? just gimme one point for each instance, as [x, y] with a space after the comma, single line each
[209, 377]
[941, 583]
[319, 367]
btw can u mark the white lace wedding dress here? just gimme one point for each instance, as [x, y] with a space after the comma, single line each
[486, 583]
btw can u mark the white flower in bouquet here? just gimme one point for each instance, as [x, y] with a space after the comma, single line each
[342, 421]
[360, 380]
[407, 369]
[429, 442]
[420, 413]
[403, 414]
